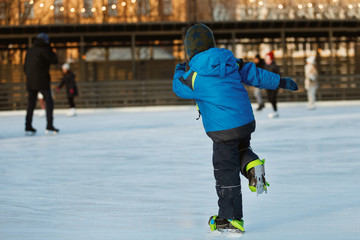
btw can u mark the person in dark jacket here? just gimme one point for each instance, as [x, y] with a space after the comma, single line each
[68, 80]
[271, 66]
[260, 63]
[215, 81]
[37, 64]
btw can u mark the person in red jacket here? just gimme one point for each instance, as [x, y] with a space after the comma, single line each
[271, 66]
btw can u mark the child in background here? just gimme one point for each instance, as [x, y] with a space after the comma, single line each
[271, 66]
[68, 80]
[311, 81]
[215, 81]
[42, 103]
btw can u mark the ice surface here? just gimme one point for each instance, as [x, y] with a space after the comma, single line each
[146, 173]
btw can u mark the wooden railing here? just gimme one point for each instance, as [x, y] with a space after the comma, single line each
[13, 96]
[99, 94]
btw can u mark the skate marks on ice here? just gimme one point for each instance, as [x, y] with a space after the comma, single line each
[108, 176]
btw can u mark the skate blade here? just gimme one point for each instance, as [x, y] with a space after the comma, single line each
[50, 132]
[29, 133]
[259, 175]
[231, 231]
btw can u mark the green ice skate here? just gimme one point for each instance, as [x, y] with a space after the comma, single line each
[226, 225]
[256, 175]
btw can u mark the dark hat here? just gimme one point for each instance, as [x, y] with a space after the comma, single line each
[44, 37]
[198, 38]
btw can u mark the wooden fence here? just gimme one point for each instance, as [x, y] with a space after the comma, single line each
[13, 96]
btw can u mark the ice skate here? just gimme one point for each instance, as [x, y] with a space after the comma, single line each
[273, 115]
[71, 112]
[51, 130]
[41, 113]
[30, 131]
[311, 107]
[260, 107]
[256, 175]
[226, 225]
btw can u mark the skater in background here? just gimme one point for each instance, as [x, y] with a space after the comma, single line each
[42, 103]
[271, 66]
[37, 65]
[311, 82]
[68, 80]
[259, 62]
[215, 81]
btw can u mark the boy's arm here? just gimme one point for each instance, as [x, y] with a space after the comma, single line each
[260, 78]
[181, 87]
[257, 77]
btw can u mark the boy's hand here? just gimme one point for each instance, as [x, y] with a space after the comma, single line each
[288, 83]
[181, 66]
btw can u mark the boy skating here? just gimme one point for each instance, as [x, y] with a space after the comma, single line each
[215, 81]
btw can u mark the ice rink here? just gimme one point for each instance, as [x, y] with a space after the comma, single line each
[146, 173]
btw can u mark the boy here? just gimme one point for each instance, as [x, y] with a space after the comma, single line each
[215, 81]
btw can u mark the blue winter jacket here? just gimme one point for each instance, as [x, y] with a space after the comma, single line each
[215, 81]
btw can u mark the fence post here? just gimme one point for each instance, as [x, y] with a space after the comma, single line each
[82, 62]
[233, 43]
[331, 59]
[133, 60]
[283, 42]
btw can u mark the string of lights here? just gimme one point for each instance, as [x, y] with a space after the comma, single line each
[319, 5]
[83, 9]
[261, 3]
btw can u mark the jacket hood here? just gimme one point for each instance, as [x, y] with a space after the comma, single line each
[214, 62]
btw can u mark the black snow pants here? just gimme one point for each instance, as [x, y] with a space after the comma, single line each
[71, 101]
[229, 159]
[32, 98]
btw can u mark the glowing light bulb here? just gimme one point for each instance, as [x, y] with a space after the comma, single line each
[31, 2]
[103, 8]
[41, 4]
[321, 6]
[52, 7]
[280, 6]
[123, 4]
[261, 3]
[310, 5]
[93, 10]
[113, 6]
[62, 9]
[72, 10]
[82, 10]
[350, 6]
[133, 1]
[300, 6]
